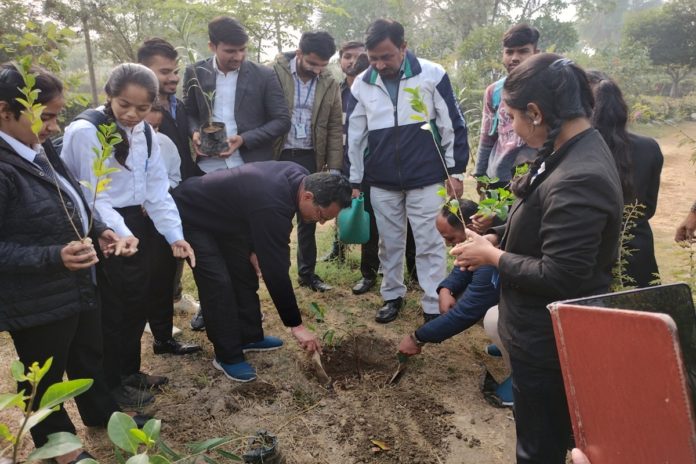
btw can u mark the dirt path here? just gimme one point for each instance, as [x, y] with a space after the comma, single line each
[435, 414]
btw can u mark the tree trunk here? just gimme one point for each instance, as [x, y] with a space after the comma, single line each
[90, 59]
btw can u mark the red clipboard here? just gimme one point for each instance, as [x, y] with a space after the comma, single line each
[626, 385]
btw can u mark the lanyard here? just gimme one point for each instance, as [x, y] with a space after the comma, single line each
[309, 92]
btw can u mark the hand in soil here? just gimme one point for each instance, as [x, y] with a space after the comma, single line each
[182, 250]
[78, 255]
[408, 347]
[307, 340]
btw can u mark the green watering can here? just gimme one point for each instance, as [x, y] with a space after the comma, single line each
[354, 222]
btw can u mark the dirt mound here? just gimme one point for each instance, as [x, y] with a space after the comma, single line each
[359, 356]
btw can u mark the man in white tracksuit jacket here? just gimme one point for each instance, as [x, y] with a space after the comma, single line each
[389, 150]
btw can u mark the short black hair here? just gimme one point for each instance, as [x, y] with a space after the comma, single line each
[48, 85]
[383, 29]
[467, 208]
[351, 44]
[328, 188]
[521, 34]
[227, 30]
[321, 43]
[156, 47]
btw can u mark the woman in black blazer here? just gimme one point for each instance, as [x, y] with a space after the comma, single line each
[560, 241]
[639, 162]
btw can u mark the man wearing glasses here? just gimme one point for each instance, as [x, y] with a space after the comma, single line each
[239, 222]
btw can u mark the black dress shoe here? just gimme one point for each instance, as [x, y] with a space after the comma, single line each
[174, 347]
[143, 381]
[315, 283]
[363, 286]
[389, 311]
[197, 323]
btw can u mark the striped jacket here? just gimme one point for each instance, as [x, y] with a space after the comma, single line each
[387, 148]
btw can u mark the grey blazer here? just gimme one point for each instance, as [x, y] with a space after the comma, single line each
[260, 109]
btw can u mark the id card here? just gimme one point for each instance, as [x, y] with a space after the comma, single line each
[301, 130]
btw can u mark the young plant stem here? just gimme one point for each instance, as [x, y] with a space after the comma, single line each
[27, 415]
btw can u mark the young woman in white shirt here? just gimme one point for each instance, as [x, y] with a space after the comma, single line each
[137, 205]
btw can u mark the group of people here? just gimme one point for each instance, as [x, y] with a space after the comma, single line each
[299, 145]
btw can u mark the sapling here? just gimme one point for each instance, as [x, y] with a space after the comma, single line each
[108, 138]
[621, 280]
[419, 106]
[213, 134]
[58, 443]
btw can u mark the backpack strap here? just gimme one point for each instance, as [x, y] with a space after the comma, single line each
[98, 118]
[496, 98]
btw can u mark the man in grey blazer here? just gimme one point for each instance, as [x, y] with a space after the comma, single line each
[246, 96]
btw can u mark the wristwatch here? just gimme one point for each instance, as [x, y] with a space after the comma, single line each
[416, 341]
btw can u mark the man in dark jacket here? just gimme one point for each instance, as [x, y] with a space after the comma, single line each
[236, 219]
[245, 96]
[315, 140]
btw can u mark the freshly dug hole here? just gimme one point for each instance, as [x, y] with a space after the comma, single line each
[359, 355]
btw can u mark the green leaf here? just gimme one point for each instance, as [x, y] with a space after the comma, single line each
[36, 417]
[138, 459]
[119, 428]
[159, 459]
[169, 451]
[8, 400]
[87, 185]
[442, 191]
[58, 443]
[417, 117]
[17, 369]
[63, 391]
[228, 455]
[152, 429]
[207, 445]
[5, 434]
[140, 436]
[209, 460]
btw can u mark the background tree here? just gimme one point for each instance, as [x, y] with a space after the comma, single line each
[669, 35]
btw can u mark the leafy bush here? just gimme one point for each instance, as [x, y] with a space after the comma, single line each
[647, 109]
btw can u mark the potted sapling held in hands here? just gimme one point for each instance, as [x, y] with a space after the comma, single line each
[212, 135]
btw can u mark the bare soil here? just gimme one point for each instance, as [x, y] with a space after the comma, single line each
[434, 414]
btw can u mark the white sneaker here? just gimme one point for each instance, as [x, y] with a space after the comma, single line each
[186, 305]
[175, 330]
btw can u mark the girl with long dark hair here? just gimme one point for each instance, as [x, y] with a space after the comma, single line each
[639, 162]
[560, 241]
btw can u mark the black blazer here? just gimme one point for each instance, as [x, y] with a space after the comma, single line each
[561, 242]
[177, 130]
[260, 109]
[35, 287]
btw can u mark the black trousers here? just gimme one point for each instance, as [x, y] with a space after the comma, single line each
[369, 252]
[542, 421]
[76, 346]
[138, 290]
[306, 240]
[227, 288]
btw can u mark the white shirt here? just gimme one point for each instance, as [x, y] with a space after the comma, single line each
[301, 112]
[223, 111]
[29, 154]
[171, 159]
[144, 184]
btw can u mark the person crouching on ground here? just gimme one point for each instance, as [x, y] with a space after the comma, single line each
[464, 297]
